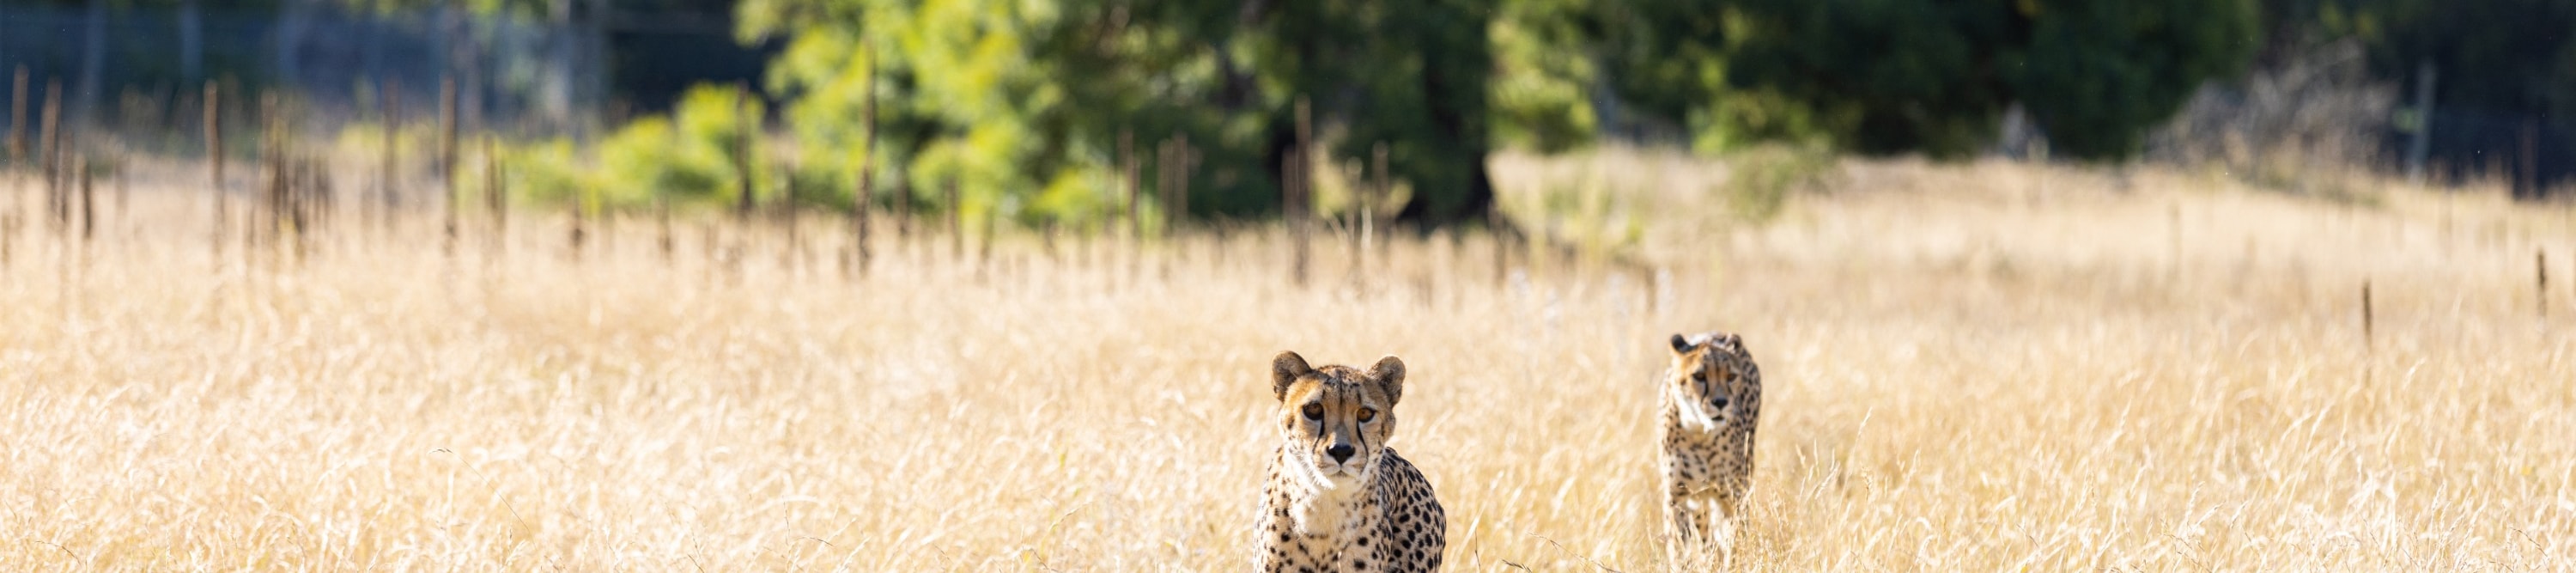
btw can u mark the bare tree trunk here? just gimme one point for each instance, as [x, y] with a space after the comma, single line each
[468, 54]
[293, 18]
[591, 76]
[192, 42]
[93, 60]
[555, 89]
[371, 59]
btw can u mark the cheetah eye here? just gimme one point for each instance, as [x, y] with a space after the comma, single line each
[1700, 376]
[1314, 411]
[1367, 414]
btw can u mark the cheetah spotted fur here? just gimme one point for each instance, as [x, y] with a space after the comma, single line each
[1711, 400]
[1338, 499]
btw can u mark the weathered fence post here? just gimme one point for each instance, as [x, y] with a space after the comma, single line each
[1181, 204]
[2369, 343]
[1166, 171]
[662, 213]
[580, 220]
[18, 117]
[862, 201]
[496, 194]
[1498, 226]
[49, 151]
[447, 130]
[88, 201]
[1375, 198]
[215, 166]
[902, 198]
[1127, 176]
[956, 222]
[742, 151]
[390, 99]
[787, 209]
[1295, 169]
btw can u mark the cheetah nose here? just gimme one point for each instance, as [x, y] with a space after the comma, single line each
[1340, 452]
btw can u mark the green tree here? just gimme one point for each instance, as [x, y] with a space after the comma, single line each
[1025, 103]
[2505, 62]
[1545, 72]
[1890, 76]
[2097, 75]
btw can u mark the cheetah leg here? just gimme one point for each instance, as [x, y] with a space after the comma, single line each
[1686, 546]
[1725, 528]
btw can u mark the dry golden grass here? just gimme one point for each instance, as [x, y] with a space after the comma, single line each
[1970, 368]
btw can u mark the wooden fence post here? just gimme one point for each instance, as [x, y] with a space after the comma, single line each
[18, 117]
[1188, 163]
[390, 98]
[49, 151]
[787, 210]
[742, 150]
[215, 165]
[956, 222]
[1377, 193]
[1296, 168]
[88, 200]
[1500, 228]
[1127, 170]
[496, 194]
[2369, 343]
[862, 201]
[662, 213]
[447, 128]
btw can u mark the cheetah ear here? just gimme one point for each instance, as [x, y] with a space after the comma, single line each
[1284, 370]
[1681, 344]
[1389, 374]
[1735, 341]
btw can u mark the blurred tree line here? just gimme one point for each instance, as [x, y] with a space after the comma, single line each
[2502, 75]
[2516, 56]
[999, 95]
[1032, 108]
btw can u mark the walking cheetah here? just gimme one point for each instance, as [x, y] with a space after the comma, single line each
[1338, 499]
[1712, 396]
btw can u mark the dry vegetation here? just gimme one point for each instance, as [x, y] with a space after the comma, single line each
[1970, 368]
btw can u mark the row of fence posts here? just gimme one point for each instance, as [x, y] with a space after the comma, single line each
[2539, 301]
[296, 194]
[67, 177]
[293, 196]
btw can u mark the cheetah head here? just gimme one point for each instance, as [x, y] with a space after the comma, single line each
[1710, 378]
[1336, 419]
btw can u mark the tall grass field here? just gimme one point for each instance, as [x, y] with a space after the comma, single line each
[1980, 367]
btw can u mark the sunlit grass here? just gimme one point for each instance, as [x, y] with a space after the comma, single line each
[1980, 367]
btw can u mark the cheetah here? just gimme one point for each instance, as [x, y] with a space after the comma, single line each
[1337, 498]
[1711, 399]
